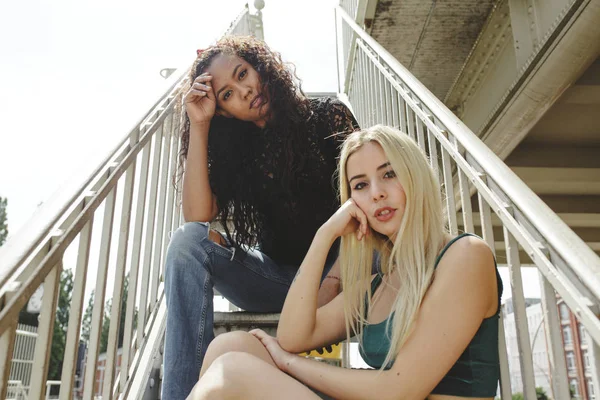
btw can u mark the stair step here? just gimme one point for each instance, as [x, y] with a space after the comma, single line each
[245, 321]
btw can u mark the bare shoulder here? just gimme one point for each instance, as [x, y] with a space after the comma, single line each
[468, 256]
[469, 264]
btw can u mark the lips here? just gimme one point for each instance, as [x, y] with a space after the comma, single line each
[384, 214]
[257, 101]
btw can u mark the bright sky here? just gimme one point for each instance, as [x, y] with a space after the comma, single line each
[75, 76]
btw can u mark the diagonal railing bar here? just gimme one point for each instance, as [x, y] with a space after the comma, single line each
[132, 246]
[383, 91]
[39, 273]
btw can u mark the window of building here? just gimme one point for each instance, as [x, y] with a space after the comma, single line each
[574, 387]
[591, 394]
[582, 335]
[570, 361]
[567, 335]
[586, 360]
[564, 311]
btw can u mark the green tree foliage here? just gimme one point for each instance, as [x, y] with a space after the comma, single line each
[3, 223]
[61, 323]
[539, 392]
[86, 325]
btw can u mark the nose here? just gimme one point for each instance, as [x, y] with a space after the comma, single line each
[247, 92]
[378, 192]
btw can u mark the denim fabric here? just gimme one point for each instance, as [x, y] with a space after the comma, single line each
[194, 266]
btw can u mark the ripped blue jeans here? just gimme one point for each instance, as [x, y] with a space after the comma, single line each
[194, 266]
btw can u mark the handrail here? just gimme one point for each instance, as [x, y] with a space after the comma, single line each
[15, 251]
[138, 170]
[578, 255]
[382, 91]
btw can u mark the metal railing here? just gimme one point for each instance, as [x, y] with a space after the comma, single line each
[133, 185]
[382, 91]
[23, 353]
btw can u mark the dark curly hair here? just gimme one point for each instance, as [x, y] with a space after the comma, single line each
[232, 143]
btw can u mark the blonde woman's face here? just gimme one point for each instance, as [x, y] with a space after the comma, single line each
[375, 189]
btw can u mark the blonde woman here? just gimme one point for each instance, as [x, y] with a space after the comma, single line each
[427, 322]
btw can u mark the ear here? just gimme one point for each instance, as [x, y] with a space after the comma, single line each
[223, 113]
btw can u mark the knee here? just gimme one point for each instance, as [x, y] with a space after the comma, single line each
[226, 377]
[185, 252]
[235, 367]
[236, 341]
[187, 236]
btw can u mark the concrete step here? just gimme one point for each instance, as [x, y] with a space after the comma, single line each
[245, 321]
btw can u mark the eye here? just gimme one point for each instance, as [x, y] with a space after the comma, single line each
[226, 95]
[243, 74]
[359, 186]
[390, 174]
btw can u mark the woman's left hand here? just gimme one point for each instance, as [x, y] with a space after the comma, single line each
[281, 357]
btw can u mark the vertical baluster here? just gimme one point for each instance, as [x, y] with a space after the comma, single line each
[47, 317]
[115, 315]
[433, 154]
[487, 233]
[524, 345]
[160, 218]
[420, 133]
[364, 94]
[449, 192]
[410, 122]
[370, 92]
[354, 90]
[77, 298]
[128, 344]
[387, 96]
[594, 357]
[465, 198]
[171, 191]
[148, 241]
[394, 107]
[380, 97]
[7, 344]
[99, 293]
[402, 113]
[177, 189]
[556, 350]
[367, 92]
[359, 92]
[505, 388]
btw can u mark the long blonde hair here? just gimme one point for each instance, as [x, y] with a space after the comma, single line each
[411, 255]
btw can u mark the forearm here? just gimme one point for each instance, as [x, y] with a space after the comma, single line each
[197, 197]
[343, 383]
[298, 317]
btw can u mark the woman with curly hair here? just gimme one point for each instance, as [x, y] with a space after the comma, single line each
[258, 156]
[427, 321]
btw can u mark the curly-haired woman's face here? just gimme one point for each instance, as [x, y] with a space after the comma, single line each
[237, 88]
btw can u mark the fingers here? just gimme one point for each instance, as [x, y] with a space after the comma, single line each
[259, 334]
[361, 217]
[203, 77]
[201, 87]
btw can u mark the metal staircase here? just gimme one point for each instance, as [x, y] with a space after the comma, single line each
[484, 194]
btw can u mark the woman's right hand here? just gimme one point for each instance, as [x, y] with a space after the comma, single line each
[200, 101]
[347, 219]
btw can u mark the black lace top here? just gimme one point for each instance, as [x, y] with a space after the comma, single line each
[288, 215]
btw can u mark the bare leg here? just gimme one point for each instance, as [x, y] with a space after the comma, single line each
[238, 375]
[236, 341]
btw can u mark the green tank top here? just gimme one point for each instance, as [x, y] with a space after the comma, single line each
[477, 370]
